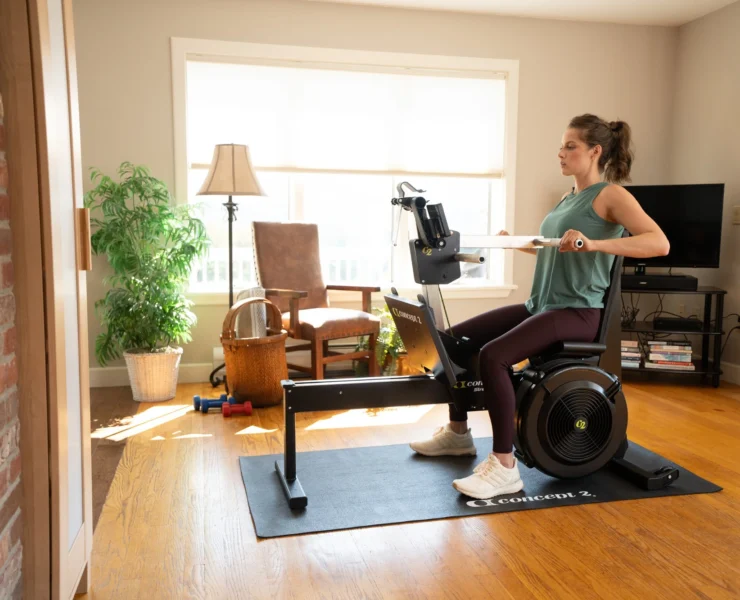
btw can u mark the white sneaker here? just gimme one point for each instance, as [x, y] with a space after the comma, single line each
[445, 442]
[490, 478]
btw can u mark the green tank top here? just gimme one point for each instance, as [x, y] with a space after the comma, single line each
[573, 279]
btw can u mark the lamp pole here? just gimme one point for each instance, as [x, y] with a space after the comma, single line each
[232, 207]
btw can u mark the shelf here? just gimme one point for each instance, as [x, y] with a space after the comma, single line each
[697, 363]
[710, 338]
[702, 289]
[647, 327]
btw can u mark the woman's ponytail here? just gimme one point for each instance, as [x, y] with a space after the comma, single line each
[619, 162]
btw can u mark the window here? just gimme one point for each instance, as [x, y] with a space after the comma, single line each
[330, 140]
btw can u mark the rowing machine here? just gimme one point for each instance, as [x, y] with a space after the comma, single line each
[571, 414]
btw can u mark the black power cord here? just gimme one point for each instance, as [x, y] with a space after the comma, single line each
[727, 339]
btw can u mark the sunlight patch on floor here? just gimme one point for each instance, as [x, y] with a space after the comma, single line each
[127, 422]
[140, 422]
[374, 417]
[186, 436]
[254, 430]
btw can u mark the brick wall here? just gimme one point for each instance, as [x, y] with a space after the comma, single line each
[10, 458]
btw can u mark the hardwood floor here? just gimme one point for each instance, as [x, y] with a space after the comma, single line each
[176, 522]
[109, 407]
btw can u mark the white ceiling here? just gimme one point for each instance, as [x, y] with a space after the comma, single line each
[639, 12]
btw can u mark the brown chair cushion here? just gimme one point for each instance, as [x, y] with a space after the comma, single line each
[333, 323]
[287, 257]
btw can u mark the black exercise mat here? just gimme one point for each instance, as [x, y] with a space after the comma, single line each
[359, 487]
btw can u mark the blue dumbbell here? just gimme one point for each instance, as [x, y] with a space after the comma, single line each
[204, 404]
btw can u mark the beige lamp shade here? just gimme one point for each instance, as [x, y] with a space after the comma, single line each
[231, 173]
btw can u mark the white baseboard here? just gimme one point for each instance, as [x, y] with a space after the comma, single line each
[730, 372]
[191, 372]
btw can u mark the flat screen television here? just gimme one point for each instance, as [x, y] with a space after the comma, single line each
[691, 218]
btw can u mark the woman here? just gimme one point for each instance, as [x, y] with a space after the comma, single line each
[567, 292]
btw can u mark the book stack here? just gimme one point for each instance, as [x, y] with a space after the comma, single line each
[631, 355]
[669, 354]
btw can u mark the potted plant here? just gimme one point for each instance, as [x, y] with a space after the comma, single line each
[389, 349]
[151, 245]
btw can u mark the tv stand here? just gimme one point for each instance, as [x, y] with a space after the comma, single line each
[684, 283]
[711, 333]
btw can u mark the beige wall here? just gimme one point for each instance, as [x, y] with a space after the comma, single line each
[566, 68]
[706, 139]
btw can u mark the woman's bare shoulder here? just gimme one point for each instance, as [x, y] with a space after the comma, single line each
[616, 192]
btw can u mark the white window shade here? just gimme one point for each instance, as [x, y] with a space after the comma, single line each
[331, 134]
[347, 120]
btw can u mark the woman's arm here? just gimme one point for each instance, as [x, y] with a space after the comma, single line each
[647, 238]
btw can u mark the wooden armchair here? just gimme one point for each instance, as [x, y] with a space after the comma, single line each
[289, 269]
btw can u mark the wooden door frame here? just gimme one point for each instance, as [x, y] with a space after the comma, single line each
[22, 43]
[17, 87]
[78, 550]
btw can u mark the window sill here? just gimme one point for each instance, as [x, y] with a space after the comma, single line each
[449, 292]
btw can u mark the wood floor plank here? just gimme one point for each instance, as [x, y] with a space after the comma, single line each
[176, 522]
[412, 577]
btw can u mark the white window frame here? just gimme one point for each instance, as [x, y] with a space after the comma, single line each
[183, 49]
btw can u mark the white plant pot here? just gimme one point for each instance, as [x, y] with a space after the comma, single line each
[153, 375]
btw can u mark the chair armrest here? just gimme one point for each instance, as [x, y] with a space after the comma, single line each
[294, 296]
[366, 290]
[286, 293]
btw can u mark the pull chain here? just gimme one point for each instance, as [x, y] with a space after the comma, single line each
[398, 227]
[444, 307]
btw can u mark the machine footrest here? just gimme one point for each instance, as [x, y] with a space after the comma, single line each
[649, 480]
[293, 489]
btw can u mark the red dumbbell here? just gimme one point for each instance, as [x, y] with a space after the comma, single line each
[236, 409]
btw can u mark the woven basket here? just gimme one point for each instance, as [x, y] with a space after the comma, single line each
[153, 375]
[255, 366]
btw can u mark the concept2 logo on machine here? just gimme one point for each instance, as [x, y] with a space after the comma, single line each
[464, 385]
[405, 315]
[427, 251]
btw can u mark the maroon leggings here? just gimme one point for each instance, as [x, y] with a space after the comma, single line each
[509, 335]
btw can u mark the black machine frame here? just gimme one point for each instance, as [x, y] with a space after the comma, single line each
[440, 385]
[445, 360]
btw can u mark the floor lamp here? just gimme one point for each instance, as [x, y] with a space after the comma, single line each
[230, 174]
